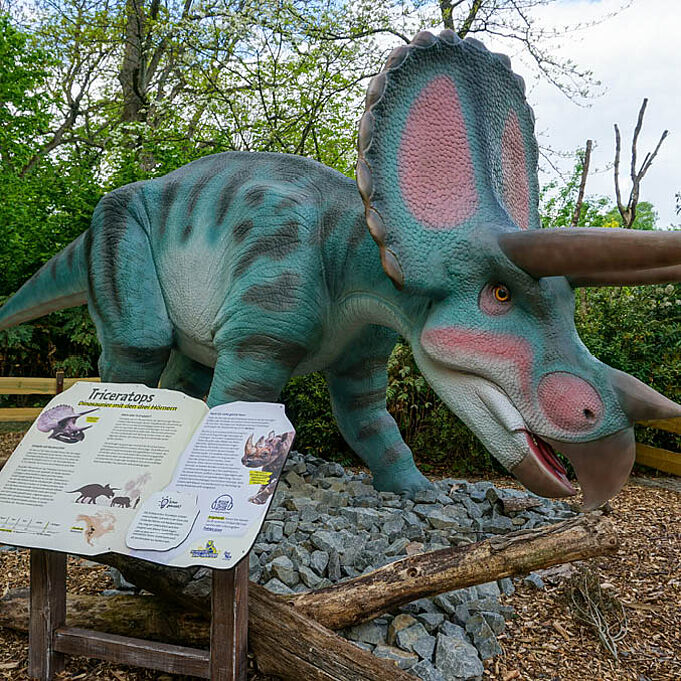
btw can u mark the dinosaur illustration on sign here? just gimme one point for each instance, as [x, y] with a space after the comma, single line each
[90, 493]
[60, 422]
[240, 270]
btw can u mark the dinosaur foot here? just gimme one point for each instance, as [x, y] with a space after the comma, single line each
[401, 481]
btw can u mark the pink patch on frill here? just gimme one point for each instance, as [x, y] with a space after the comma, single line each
[435, 168]
[569, 402]
[514, 172]
[482, 350]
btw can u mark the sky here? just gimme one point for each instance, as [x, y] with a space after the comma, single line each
[635, 54]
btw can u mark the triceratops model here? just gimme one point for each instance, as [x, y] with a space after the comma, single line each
[265, 266]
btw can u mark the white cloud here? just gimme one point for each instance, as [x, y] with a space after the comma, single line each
[634, 54]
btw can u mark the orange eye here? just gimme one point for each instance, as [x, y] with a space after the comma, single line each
[501, 293]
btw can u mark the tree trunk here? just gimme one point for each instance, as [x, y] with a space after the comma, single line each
[437, 572]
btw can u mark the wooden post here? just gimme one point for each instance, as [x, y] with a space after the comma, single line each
[229, 623]
[47, 613]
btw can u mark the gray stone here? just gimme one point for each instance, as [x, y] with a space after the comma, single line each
[427, 672]
[450, 629]
[326, 541]
[506, 586]
[425, 496]
[278, 587]
[120, 582]
[283, 569]
[403, 659]
[369, 632]
[442, 521]
[398, 623]
[488, 590]
[333, 570]
[533, 579]
[309, 577]
[406, 638]
[488, 647]
[496, 622]
[398, 547]
[430, 620]
[319, 561]
[457, 659]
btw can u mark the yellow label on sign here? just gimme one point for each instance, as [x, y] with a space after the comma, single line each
[92, 419]
[259, 477]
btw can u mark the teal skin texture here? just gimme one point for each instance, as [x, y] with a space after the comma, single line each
[240, 270]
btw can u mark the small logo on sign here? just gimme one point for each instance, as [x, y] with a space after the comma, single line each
[209, 551]
[223, 503]
[169, 502]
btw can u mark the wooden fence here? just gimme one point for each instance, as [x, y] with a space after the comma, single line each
[661, 459]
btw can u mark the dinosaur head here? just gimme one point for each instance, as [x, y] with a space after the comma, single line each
[447, 171]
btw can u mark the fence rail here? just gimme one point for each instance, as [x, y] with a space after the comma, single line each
[661, 459]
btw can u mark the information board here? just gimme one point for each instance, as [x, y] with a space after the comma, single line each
[144, 472]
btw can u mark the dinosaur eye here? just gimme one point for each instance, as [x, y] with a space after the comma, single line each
[501, 293]
[495, 299]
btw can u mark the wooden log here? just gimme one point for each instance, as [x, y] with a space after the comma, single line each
[147, 616]
[429, 574]
[284, 642]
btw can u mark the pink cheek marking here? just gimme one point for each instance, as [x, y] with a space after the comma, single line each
[435, 168]
[569, 402]
[482, 349]
[514, 172]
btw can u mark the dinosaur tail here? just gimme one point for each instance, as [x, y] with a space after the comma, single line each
[59, 283]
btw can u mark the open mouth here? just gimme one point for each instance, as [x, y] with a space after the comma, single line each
[545, 456]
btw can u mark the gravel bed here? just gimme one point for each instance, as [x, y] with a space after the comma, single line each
[327, 524]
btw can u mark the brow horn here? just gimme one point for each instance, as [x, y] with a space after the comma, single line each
[660, 275]
[582, 252]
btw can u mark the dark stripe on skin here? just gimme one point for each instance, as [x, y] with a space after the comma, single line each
[364, 367]
[278, 296]
[371, 398]
[87, 248]
[329, 221]
[228, 194]
[251, 391]
[115, 223]
[53, 268]
[168, 196]
[378, 425]
[265, 348]
[195, 192]
[286, 204]
[394, 453]
[275, 246]
[254, 196]
[242, 229]
[70, 253]
[358, 232]
[186, 232]
[141, 356]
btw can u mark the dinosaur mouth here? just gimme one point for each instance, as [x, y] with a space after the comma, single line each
[541, 471]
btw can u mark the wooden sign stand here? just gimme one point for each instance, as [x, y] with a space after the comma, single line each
[50, 639]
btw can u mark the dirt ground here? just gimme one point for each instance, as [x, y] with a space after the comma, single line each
[543, 642]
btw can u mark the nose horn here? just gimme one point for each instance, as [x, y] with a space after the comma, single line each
[639, 401]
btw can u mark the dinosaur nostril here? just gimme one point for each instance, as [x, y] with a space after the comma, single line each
[569, 402]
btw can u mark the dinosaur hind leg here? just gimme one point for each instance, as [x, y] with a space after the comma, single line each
[124, 296]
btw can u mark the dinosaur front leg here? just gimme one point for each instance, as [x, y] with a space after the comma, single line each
[357, 384]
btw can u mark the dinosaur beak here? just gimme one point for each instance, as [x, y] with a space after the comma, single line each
[596, 256]
[602, 466]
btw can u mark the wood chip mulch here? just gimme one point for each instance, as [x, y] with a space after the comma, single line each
[543, 642]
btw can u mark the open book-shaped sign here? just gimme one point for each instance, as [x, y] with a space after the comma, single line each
[144, 472]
